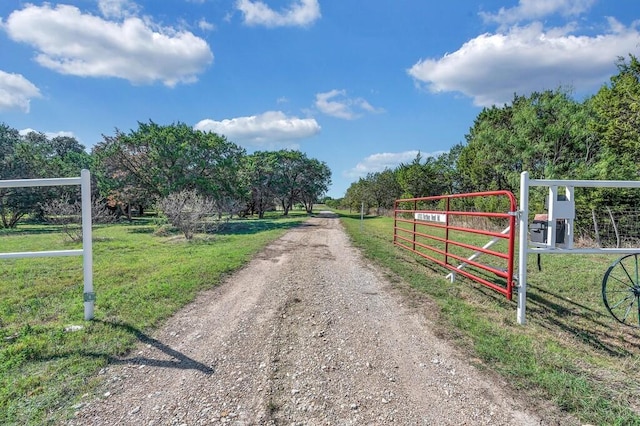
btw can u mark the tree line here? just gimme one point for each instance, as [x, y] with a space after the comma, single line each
[549, 134]
[137, 170]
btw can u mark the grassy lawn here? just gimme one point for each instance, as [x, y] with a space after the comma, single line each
[571, 352]
[140, 279]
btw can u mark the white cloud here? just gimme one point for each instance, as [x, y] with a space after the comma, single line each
[26, 131]
[49, 135]
[336, 104]
[529, 10]
[271, 127]
[16, 92]
[61, 133]
[117, 8]
[301, 13]
[204, 25]
[71, 42]
[386, 160]
[492, 67]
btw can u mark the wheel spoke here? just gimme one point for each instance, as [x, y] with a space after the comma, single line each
[624, 291]
[624, 283]
[622, 301]
[626, 272]
[626, 313]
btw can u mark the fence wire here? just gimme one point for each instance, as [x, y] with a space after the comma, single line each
[608, 227]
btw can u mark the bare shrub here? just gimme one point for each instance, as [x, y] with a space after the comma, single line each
[68, 215]
[186, 211]
[223, 211]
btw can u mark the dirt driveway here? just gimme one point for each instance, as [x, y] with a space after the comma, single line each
[308, 333]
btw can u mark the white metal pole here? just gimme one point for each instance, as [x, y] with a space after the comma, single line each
[523, 247]
[551, 217]
[569, 222]
[87, 245]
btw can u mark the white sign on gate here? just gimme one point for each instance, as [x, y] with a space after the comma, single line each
[431, 217]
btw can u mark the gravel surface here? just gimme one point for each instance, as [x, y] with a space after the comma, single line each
[307, 334]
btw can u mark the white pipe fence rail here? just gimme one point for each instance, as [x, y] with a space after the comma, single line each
[87, 243]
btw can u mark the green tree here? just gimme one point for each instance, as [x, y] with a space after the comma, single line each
[14, 202]
[285, 176]
[315, 182]
[423, 177]
[358, 195]
[155, 161]
[546, 134]
[617, 122]
[552, 136]
[288, 172]
[68, 156]
[383, 189]
[487, 159]
[446, 169]
[34, 156]
[258, 175]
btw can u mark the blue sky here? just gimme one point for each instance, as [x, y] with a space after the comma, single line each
[360, 84]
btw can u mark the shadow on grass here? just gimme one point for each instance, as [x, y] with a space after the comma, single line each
[245, 226]
[138, 220]
[31, 230]
[178, 359]
[252, 226]
[590, 326]
[587, 325]
[142, 230]
[355, 216]
[557, 313]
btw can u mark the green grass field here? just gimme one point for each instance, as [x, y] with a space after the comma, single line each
[140, 279]
[571, 352]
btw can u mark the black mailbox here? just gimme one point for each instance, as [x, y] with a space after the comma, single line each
[539, 231]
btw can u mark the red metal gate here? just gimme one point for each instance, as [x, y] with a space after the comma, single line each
[447, 230]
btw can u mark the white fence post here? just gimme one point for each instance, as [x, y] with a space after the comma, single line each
[523, 247]
[87, 246]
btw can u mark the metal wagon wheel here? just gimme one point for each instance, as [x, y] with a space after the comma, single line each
[621, 289]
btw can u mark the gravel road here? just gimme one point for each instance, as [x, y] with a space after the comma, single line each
[306, 334]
